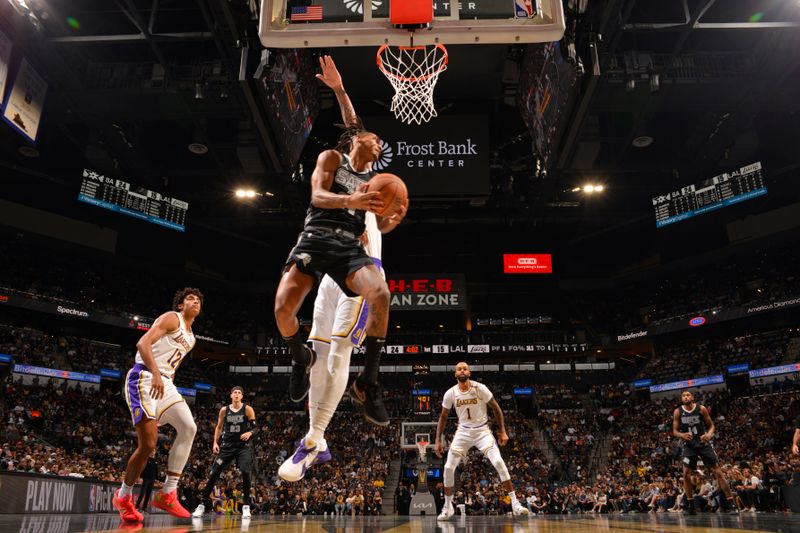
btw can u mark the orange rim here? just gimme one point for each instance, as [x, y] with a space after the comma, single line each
[414, 79]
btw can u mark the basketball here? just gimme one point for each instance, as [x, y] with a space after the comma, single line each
[393, 192]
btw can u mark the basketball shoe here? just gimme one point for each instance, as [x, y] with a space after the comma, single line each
[126, 507]
[447, 513]
[294, 468]
[518, 510]
[169, 503]
[370, 397]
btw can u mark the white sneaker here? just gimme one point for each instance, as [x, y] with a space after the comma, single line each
[294, 468]
[447, 513]
[200, 511]
[245, 511]
[519, 510]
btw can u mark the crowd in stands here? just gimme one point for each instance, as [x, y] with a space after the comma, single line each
[64, 352]
[572, 433]
[705, 357]
[70, 429]
[748, 278]
[73, 429]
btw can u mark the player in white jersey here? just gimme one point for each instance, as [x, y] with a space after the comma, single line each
[154, 401]
[338, 326]
[470, 398]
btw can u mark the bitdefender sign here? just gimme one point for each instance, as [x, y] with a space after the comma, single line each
[444, 157]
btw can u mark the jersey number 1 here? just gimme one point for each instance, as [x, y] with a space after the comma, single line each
[469, 416]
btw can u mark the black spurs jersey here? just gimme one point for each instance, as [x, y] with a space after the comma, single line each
[693, 422]
[345, 181]
[236, 423]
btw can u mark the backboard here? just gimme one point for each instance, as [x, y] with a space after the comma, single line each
[342, 23]
[413, 432]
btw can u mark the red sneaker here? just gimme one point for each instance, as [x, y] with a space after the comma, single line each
[169, 503]
[126, 507]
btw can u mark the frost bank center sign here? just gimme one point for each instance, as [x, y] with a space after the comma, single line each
[447, 156]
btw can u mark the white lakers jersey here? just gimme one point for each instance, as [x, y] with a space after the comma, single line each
[375, 238]
[170, 349]
[470, 405]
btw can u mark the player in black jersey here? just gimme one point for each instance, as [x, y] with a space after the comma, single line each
[692, 424]
[329, 244]
[237, 427]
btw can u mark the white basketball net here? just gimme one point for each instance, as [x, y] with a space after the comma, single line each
[413, 72]
[421, 447]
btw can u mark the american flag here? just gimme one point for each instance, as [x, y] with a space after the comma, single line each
[306, 13]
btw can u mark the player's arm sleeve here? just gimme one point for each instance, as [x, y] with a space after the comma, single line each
[447, 401]
[252, 426]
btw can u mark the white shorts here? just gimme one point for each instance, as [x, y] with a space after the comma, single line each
[466, 438]
[337, 315]
[137, 394]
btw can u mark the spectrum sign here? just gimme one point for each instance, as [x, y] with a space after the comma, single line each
[527, 263]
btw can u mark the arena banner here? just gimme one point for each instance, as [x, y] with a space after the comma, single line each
[55, 373]
[688, 384]
[774, 370]
[445, 157]
[527, 263]
[428, 292]
[23, 108]
[700, 319]
[22, 493]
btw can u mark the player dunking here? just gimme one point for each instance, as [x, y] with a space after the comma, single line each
[692, 424]
[338, 326]
[470, 399]
[237, 426]
[329, 245]
[154, 401]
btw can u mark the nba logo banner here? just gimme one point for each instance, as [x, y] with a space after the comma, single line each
[526, 9]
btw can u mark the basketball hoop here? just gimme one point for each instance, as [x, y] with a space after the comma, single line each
[422, 448]
[413, 72]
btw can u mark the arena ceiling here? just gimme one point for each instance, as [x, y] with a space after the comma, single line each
[133, 82]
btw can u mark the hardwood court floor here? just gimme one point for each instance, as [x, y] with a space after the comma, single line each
[648, 523]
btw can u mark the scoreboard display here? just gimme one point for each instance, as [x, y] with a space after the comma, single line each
[120, 196]
[708, 195]
[421, 402]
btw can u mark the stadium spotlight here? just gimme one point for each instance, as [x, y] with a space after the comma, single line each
[598, 188]
[588, 188]
[250, 193]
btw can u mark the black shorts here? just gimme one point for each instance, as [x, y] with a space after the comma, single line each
[242, 454]
[320, 252]
[706, 452]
